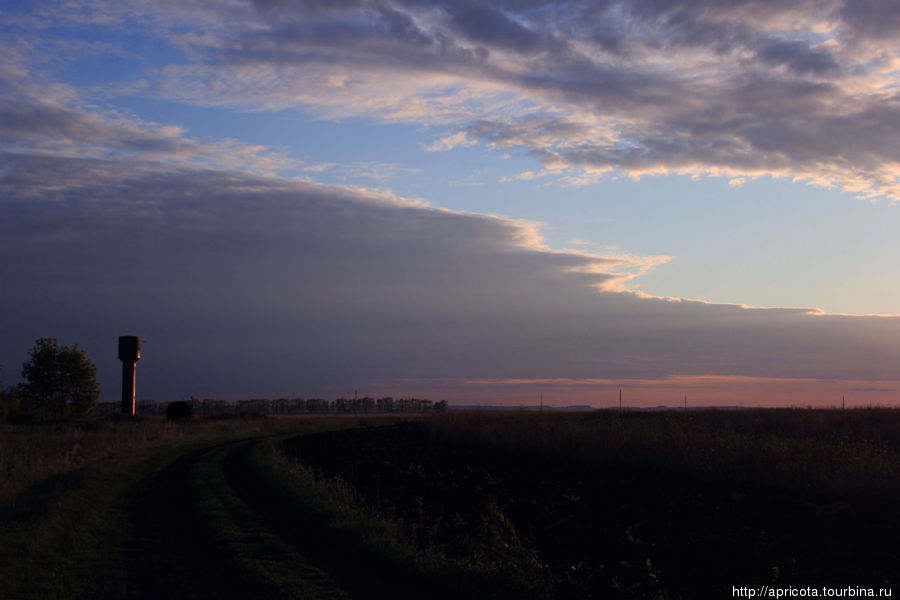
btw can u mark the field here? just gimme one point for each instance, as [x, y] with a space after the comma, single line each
[671, 504]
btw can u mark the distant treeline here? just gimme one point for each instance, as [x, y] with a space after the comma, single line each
[210, 407]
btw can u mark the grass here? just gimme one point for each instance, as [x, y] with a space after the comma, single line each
[63, 536]
[322, 522]
[824, 450]
[482, 505]
[32, 452]
[634, 504]
[65, 526]
[266, 565]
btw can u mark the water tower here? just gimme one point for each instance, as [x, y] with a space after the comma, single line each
[129, 354]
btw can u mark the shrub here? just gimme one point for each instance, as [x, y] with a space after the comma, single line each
[177, 411]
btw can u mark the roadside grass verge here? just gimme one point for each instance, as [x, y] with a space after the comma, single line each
[330, 506]
[372, 556]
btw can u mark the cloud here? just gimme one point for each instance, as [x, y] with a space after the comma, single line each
[798, 57]
[41, 117]
[524, 176]
[245, 284]
[377, 171]
[798, 89]
[451, 141]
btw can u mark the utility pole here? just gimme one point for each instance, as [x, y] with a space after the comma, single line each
[620, 398]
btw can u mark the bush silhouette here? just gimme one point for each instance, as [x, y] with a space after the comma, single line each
[177, 411]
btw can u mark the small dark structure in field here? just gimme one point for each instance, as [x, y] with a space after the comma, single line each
[129, 354]
[177, 411]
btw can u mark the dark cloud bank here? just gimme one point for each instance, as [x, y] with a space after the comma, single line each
[247, 285]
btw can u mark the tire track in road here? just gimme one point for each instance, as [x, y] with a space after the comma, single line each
[195, 538]
[171, 556]
[271, 567]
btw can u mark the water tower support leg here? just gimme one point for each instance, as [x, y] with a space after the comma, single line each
[128, 388]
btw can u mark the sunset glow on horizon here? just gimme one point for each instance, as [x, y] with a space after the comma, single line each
[483, 202]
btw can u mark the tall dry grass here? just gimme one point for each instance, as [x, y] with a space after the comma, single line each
[32, 452]
[824, 450]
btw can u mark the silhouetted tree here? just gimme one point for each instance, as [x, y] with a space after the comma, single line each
[60, 381]
[9, 401]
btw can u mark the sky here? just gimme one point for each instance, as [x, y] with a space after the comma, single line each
[484, 202]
